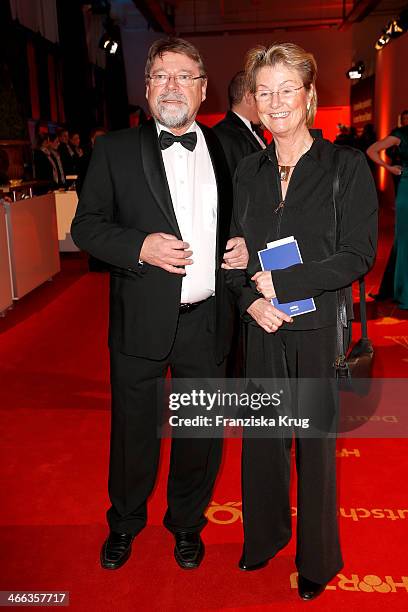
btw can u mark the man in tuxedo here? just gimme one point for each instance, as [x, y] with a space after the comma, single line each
[239, 131]
[156, 205]
[66, 152]
[240, 135]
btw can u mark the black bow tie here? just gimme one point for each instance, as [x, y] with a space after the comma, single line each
[188, 140]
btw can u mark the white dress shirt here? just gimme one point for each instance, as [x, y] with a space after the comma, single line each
[248, 124]
[191, 179]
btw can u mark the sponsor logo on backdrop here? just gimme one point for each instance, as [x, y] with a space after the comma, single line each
[224, 514]
[377, 513]
[370, 583]
[348, 453]
[342, 452]
[362, 102]
[375, 418]
[231, 512]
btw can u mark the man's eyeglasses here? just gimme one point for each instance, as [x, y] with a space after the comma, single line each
[184, 80]
[285, 94]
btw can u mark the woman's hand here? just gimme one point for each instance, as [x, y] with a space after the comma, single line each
[397, 170]
[264, 284]
[267, 316]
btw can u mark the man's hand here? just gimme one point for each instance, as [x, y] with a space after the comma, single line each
[236, 255]
[264, 284]
[167, 252]
[267, 316]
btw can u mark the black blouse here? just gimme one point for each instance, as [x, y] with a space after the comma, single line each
[308, 215]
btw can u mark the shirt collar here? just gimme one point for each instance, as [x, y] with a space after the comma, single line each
[161, 128]
[317, 152]
[244, 120]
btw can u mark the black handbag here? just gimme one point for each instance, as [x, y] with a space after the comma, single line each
[358, 362]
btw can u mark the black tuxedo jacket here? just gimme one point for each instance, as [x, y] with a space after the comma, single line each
[236, 139]
[68, 161]
[43, 166]
[124, 198]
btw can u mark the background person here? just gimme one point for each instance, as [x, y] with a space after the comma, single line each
[45, 164]
[238, 135]
[66, 151]
[53, 144]
[398, 138]
[236, 131]
[75, 143]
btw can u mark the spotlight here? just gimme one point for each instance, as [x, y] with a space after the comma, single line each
[394, 29]
[109, 41]
[356, 72]
[108, 44]
[382, 41]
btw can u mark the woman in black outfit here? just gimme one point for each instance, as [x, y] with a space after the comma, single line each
[286, 190]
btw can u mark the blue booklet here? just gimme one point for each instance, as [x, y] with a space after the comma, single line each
[281, 254]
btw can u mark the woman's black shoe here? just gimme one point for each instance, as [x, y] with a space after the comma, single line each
[244, 566]
[309, 590]
[116, 550]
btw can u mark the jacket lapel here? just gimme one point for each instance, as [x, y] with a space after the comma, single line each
[224, 189]
[233, 117]
[155, 174]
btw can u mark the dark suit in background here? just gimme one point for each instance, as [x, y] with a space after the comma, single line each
[68, 157]
[237, 139]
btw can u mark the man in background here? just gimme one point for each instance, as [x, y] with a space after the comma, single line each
[240, 135]
[66, 152]
[239, 131]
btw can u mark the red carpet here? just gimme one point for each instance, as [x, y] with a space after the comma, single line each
[54, 401]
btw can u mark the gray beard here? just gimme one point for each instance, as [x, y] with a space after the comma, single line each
[173, 119]
[177, 118]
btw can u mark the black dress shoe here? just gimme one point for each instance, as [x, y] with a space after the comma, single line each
[308, 589]
[189, 549]
[116, 550]
[244, 566]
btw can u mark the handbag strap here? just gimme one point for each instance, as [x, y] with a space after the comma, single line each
[341, 315]
[363, 309]
[336, 189]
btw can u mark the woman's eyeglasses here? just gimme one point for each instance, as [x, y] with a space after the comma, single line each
[286, 94]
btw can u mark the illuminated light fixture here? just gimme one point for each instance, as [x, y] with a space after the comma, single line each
[356, 72]
[109, 40]
[394, 29]
[382, 41]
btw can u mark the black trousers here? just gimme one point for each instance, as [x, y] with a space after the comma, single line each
[386, 290]
[135, 445]
[266, 462]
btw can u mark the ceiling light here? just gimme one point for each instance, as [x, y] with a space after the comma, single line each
[109, 41]
[394, 29]
[356, 72]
